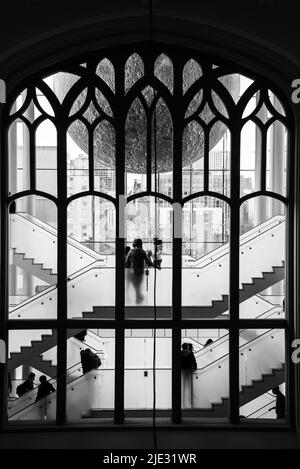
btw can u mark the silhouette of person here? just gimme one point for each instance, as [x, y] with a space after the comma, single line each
[280, 403]
[191, 357]
[44, 389]
[89, 360]
[208, 342]
[149, 254]
[188, 364]
[136, 260]
[26, 386]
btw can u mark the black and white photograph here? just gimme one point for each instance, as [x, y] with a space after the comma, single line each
[149, 228]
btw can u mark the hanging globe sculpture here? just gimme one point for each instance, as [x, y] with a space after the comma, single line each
[136, 125]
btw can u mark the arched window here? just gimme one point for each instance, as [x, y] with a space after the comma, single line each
[148, 198]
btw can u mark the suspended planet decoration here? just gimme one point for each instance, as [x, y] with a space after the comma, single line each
[136, 122]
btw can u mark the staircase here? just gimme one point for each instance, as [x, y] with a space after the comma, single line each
[30, 266]
[217, 308]
[78, 385]
[202, 284]
[248, 393]
[44, 366]
[26, 403]
[88, 275]
[260, 369]
[38, 241]
[205, 282]
[248, 290]
[31, 353]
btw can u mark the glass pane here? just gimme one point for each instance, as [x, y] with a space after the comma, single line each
[106, 72]
[32, 258]
[219, 105]
[90, 375]
[276, 158]
[163, 70]
[32, 367]
[192, 178]
[149, 93]
[134, 70]
[205, 373]
[18, 102]
[78, 104]
[252, 104]
[77, 159]
[19, 157]
[103, 103]
[262, 258]
[276, 103]
[193, 146]
[250, 159]
[162, 150]
[46, 158]
[61, 83]
[219, 159]
[91, 258]
[105, 158]
[194, 104]
[205, 258]
[262, 374]
[136, 136]
[139, 384]
[151, 222]
[44, 104]
[232, 84]
[191, 72]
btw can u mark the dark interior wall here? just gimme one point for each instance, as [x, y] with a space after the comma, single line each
[267, 31]
[273, 21]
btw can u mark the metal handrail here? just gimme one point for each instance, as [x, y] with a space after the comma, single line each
[240, 348]
[246, 239]
[258, 410]
[50, 229]
[215, 344]
[53, 380]
[73, 276]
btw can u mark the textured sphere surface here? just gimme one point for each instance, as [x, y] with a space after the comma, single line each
[136, 125]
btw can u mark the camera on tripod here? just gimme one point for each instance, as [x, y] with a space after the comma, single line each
[157, 252]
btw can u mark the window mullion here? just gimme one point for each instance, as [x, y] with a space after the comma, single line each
[234, 272]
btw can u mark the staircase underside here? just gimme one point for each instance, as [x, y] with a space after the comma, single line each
[33, 268]
[31, 353]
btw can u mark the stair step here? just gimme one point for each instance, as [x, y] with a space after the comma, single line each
[36, 268]
[37, 347]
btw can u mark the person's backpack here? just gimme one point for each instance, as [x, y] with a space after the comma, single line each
[95, 361]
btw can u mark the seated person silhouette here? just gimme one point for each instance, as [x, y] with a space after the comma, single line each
[26, 386]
